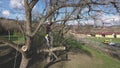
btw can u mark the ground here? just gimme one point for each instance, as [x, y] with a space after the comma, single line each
[91, 58]
[83, 60]
[76, 60]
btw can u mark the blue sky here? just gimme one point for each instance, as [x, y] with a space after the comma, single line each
[11, 9]
[14, 8]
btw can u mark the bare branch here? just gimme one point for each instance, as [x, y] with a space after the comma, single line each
[53, 49]
[10, 43]
[114, 4]
[32, 3]
[21, 27]
[51, 12]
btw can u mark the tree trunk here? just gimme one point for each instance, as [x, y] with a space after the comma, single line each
[24, 61]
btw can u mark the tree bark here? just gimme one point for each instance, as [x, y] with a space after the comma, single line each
[24, 61]
[28, 28]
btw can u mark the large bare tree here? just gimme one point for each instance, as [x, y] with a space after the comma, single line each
[53, 9]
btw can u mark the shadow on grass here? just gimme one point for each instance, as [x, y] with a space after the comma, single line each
[77, 50]
[37, 58]
[40, 58]
[54, 62]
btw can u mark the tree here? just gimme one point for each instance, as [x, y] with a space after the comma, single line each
[52, 9]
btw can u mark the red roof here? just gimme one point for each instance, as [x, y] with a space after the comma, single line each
[108, 33]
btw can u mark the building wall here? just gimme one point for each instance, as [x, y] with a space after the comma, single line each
[109, 36]
[106, 36]
[118, 36]
[98, 35]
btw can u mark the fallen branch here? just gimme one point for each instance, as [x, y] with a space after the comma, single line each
[52, 49]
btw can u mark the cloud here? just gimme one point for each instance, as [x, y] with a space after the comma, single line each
[6, 13]
[17, 4]
[107, 1]
[109, 18]
[17, 15]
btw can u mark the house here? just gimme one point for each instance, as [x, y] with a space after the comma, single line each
[108, 34]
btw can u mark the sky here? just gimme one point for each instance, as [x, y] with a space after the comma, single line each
[13, 9]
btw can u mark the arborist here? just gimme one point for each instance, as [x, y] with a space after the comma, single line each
[48, 35]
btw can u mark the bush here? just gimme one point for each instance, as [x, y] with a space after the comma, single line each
[39, 39]
[73, 44]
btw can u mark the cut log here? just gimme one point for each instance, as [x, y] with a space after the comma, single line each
[52, 49]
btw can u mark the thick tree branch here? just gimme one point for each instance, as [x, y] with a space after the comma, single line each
[52, 49]
[80, 4]
[26, 5]
[116, 6]
[10, 43]
[51, 12]
[32, 3]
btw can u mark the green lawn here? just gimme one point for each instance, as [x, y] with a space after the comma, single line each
[15, 38]
[99, 59]
[102, 60]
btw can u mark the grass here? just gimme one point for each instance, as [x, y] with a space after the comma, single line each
[99, 59]
[74, 45]
[15, 38]
[20, 40]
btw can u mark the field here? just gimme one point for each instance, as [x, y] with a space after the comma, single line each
[15, 38]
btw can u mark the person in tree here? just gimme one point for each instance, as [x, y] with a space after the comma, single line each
[49, 39]
[48, 27]
[48, 35]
